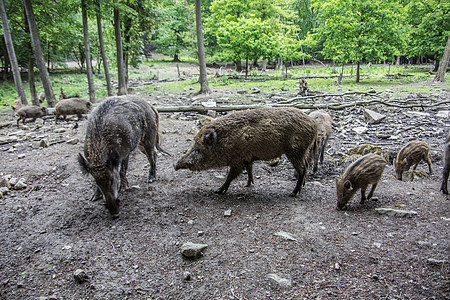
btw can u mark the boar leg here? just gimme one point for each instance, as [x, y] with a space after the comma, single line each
[363, 194]
[300, 181]
[372, 190]
[249, 168]
[232, 174]
[428, 161]
[149, 151]
[123, 175]
[322, 152]
[444, 181]
[97, 194]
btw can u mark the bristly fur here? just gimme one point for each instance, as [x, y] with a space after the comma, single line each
[83, 164]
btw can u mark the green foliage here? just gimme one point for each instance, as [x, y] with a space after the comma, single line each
[357, 30]
[430, 27]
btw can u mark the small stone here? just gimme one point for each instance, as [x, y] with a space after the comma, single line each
[20, 156]
[8, 139]
[436, 262]
[417, 114]
[4, 190]
[5, 183]
[373, 117]
[192, 250]
[285, 235]
[337, 266]
[187, 276]
[80, 276]
[376, 244]
[360, 129]
[282, 282]
[13, 181]
[73, 141]
[443, 114]
[44, 143]
[60, 130]
[227, 213]
[20, 185]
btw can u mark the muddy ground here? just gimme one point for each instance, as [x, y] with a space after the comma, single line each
[50, 229]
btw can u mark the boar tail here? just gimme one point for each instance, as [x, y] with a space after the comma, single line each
[158, 134]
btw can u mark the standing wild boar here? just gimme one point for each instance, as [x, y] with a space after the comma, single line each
[324, 128]
[30, 112]
[238, 139]
[366, 170]
[114, 129]
[412, 154]
[72, 106]
[446, 169]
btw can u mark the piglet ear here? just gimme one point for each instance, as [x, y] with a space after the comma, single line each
[210, 137]
[84, 164]
[113, 158]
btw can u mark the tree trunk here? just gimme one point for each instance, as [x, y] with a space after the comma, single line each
[120, 65]
[204, 88]
[440, 75]
[49, 95]
[87, 50]
[12, 54]
[190, 25]
[31, 61]
[358, 65]
[102, 50]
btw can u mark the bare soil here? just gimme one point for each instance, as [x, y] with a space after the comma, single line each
[51, 228]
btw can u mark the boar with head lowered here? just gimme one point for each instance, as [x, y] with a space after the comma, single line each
[412, 154]
[446, 169]
[364, 171]
[324, 129]
[239, 138]
[30, 112]
[114, 129]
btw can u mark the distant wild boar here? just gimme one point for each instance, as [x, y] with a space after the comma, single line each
[324, 129]
[114, 129]
[30, 112]
[72, 106]
[446, 169]
[239, 138]
[366, 170]
[412, 154]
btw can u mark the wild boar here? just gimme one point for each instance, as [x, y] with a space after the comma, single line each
[412, 154]
[239, 138]
[30, 112]
[364, 171]
[324, 129]
[72, 106]
[114, 129]
[446, 168]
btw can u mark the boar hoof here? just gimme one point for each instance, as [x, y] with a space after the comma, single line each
[293, 194]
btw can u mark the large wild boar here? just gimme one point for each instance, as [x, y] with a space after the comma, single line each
[114, 129]
[446, 168]
[324, 129]
[72, 106]
[30, 112]
[412, 154]
[238, 139]
[364, 171]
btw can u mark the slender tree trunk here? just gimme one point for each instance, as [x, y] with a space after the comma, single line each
[440, 75]
[358, 65]
[49, 95]
[204, 88]
[31, 61]
[102, 50]
[87, 50]
[12, 54]
[120, 65]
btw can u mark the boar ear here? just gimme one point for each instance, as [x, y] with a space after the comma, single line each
[404, 161]
[84, 164]
[210, 137]
[347, 184]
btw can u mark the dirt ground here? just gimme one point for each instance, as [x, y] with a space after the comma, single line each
[50, 229]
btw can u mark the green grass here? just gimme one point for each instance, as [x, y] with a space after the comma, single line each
[74, 83]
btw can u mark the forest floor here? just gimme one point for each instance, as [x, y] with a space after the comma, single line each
[262, 244]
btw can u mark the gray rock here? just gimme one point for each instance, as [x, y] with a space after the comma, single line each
[13, 181]
[20, 185]
[227, 213]
[60, 130]
[73, 141]
[443, 114]
[8, 139]
[373, 117]
[436, 262]
[80, 276]
[5, 183]
[285, 235]
[417, 114]
[4, 190]
[282, 282]
[192, 250]
[44, 143]
[20, 156]
[396, 212]
[360, 129]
